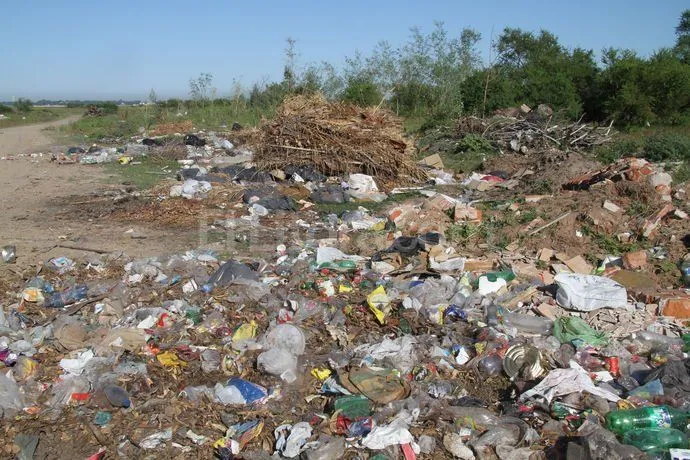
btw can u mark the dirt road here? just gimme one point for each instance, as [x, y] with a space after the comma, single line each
[30, 138]
[36, 205]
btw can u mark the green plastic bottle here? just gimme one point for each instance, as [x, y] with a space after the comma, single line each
[341, 266]
[652, 439]
[622, 421]
[507, 275]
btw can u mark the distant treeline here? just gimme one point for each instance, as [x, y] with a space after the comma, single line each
[441, 77]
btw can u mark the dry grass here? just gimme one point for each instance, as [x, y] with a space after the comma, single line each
[163, 129]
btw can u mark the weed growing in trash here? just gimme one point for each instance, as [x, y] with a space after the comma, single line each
[681, 173]
[144, 175]
[372, 206]
[610, 244]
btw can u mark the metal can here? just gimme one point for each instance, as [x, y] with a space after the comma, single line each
[613, 365]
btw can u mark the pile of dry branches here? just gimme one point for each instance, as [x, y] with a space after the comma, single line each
[335, 138]
[531, 132]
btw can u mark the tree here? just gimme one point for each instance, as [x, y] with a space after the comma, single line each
[289, 72]
[201, 89]
[153, 97]
[23, 105]
[683, 37]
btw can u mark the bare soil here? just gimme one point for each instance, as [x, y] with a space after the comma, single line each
[42, 202]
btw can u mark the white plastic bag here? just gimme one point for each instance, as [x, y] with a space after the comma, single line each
[589, 292]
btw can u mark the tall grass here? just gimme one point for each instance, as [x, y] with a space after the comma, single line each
[130, 121]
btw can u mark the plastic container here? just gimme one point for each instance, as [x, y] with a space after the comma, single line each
[528, 324]
[652, 439]
[70, 296]
[117, 396]
[622, 421]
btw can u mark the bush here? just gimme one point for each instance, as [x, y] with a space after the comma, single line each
[474, 143]
[617, 150]
[5, 109]
[362, 92]
[667, 147]
[108, 107]
[23, 105]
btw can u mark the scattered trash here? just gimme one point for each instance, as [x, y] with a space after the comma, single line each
[517, 312]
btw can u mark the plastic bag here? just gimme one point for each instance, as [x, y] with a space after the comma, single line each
[571, 328]
[279, 362]
[589, 292]
[11, 400]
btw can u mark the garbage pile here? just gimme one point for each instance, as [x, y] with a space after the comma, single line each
[335, 138]
[410, 348]
[449, 319]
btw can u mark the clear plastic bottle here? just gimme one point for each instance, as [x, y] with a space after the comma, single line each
[528, 324]
[685, 270]
[70, 296]
[492, 315]
[656, 341]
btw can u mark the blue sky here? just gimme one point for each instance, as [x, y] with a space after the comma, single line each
[122, 49]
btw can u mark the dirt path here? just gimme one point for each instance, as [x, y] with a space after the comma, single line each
[30, 138]
[34, 210]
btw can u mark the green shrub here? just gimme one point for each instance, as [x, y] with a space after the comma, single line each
[614, 151]
[5, 109]
[23, 105]
[666, 147]
[474, 143]
[108, 107]
[362, 92]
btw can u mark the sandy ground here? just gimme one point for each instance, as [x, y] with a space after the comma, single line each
[34, 210]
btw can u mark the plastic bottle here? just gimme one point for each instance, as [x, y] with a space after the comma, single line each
[685, 270]
[117, 396]
[70, 296]
[528, 324]
[341, 266]
[492, 315]
[656, 341]
[490, 365]
[647, 439]
[507, 275]
[622, 421]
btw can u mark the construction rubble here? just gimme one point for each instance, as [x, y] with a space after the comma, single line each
[361, 304]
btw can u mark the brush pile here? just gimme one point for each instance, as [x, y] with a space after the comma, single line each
[532, 131]
[336, 138]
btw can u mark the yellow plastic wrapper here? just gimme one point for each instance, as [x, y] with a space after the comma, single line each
[344, 288]
[245, 332]
[379, 226]
[31, 294]
[170, 359]
[125, 160]
[321, 374]
[379, 303]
